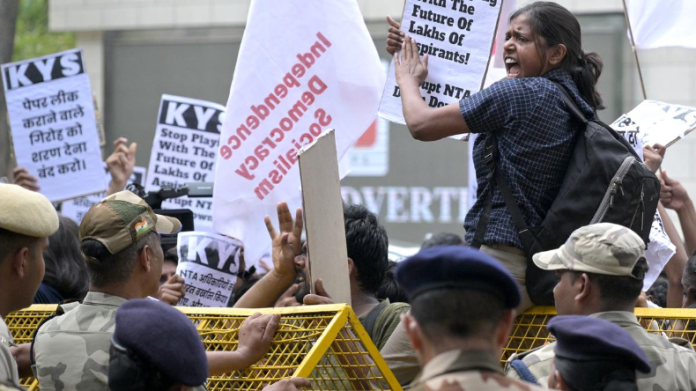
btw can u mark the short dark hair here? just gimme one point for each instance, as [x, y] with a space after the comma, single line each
[65, 266]
[368, 246]
[460, 313]
[171, 255]
[658, 291]
[105, 268]
[615, 291]
[390, 288]
[443, 239]
[11, 242]
[689, 276]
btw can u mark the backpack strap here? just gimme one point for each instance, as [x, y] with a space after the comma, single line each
[523, 371]
[370, 319]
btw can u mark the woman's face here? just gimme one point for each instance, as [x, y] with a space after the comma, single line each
[521, 51]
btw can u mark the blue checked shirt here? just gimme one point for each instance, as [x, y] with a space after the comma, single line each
[536, 135]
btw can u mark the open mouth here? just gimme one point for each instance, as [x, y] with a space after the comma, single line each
[512, 67]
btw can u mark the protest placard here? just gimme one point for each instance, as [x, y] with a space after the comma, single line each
[184, 150]
[78, 207]
[54, 133]
[323, 215]
[457, 36]
[314, 73]
[209, 263]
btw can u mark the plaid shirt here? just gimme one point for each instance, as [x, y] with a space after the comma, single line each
[536, 136]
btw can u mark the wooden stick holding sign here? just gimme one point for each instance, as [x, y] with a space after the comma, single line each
[323, 215]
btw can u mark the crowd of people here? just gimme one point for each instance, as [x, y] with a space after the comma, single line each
[440, 318]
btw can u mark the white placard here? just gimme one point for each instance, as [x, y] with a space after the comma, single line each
[184, 150]
[457, 36]
[303, 67]
[209, 264]
[660, 250]
[54, 132]
[78, 207]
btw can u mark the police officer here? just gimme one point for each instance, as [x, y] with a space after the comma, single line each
[601, 269]
[27, 219]
[593, 354]
[462, 309]
[121, 244]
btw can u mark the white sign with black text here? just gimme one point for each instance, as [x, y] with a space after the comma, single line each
[184, 150]
[49, 102]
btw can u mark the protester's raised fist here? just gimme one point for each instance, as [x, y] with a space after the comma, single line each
[411, 68]
[121, 164]
[288, 244]
[256, 335]
[395, 37]
[320, 297]
[672, 194]
[21, 177]
[653, 156]
[173, 290]
[291, 384]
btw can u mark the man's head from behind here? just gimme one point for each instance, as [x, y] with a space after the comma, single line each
[120, 242]
[155, 348]
[601, 267]
[368, 247]
[27, 219]
[460, 298]
[689, 282]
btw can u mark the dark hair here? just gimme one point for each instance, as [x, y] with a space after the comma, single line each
[65, 266]
[368, 246]
[658, 291]
[556, 25]
[618, 292]
[460, 313]
[689, 276]
[105, 268]
[443, 239]
[171, 255]
[390, 288]
[11, 242]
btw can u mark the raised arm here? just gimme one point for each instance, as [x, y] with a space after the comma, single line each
[674, 196]
[286, 246]
[424, 123]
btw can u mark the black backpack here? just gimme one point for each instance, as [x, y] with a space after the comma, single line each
[605, 182]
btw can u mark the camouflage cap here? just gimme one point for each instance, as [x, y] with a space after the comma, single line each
[123, 218]
[602, 248]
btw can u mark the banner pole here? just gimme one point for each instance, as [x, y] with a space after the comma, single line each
[635, 51]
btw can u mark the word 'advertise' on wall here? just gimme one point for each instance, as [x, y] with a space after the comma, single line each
[209, 263]
[184, 150]
[54, 133]
[457, 36]
[314, 73]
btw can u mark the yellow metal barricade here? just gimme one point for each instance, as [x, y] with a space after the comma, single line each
[326, 344]
[529, 330]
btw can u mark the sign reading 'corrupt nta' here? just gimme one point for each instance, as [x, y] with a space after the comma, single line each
[457, 36]
[318, 69]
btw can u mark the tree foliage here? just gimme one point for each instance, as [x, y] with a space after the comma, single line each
[33, 39]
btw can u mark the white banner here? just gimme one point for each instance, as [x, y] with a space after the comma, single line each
[318, 69]
[662, 23]
[209, 263]
[458, 37]
[184, 150]
[78, 207]
[54, 132]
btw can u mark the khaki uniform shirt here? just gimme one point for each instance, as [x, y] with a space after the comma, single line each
[459, 370]
[72, 350]
[673, 366]
[8, 366]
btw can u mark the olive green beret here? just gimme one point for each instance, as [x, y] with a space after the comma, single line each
[26, 212]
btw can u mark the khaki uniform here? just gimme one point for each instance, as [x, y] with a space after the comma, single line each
[72, 350]
[8, 366]
[673, 366]
[466, 370]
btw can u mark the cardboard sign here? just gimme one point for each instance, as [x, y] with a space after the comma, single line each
[53, 125]
[458, 37]
[314, 73]
[209, 263]
[78, 207]
[323, 215]
[184, 150]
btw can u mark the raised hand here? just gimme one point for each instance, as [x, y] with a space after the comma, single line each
[21, 177]
[410, 68]
[288, 243]
[121, 164]
[395, 38]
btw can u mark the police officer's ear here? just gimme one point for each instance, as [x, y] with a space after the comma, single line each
[505, 327]
[351, 267]
[584, 287]
[145, 257]
[413, 331]
[560, 384]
